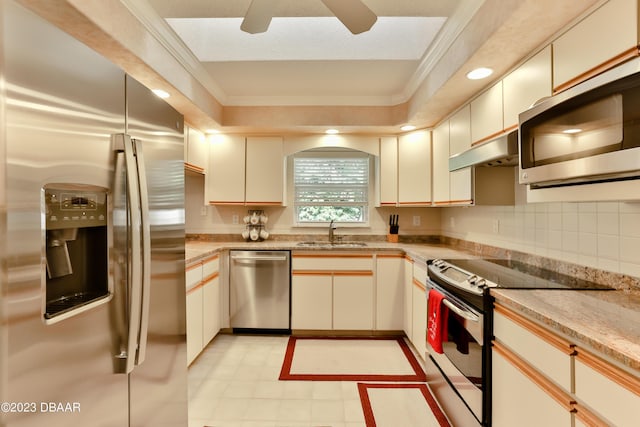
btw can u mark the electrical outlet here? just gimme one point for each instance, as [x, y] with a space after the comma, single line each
[416, 220]
[496, 226]
[203, 211]
[235, 219]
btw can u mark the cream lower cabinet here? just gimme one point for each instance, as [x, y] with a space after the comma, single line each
[418, 335]
[407, 288]
[389, 292]
[332, 292]
[540, 378]
[203, 305]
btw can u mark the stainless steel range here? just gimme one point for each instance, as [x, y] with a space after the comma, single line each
[459, 362]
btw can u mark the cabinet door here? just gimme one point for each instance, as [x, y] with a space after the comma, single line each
[265, 171]
[225, 180]
[419, 336]
[197, 150]
[414, 169]
[210, 309]
[194, 323]
[388, 171]
[353, 301]
[460, 185]
[441, 194]
[526, 85]
[518, 401]
[389, 292]
[408, 297]
[486, 114]
[614, 393]
[311, 301]
[609, 32]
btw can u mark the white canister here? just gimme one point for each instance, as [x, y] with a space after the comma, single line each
[264, 234]
[245, 234]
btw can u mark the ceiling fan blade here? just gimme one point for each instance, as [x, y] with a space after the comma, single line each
[258, 17]
[354, 14]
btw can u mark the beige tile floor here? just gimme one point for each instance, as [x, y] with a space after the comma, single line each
[234, 383]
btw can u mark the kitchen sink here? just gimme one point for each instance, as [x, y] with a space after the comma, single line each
[320, 244]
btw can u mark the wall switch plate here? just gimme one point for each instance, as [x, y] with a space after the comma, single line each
[235, 219]
[452, 222]
[416, 220]
[203, 211]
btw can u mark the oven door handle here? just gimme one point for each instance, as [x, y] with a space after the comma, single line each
[466, 314]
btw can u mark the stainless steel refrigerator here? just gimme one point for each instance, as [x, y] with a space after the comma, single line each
[93, 292]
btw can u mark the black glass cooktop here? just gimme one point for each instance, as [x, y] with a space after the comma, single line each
[518, 275]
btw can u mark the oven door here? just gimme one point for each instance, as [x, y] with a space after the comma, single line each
[461, 362]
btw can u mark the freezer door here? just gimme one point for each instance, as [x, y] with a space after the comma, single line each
[158, 386]
[63, 101]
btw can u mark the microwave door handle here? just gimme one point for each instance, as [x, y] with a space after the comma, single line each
[124, 148]
[146, 251]
[465, 314]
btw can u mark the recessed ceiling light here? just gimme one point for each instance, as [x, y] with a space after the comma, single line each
[160, 93]
[572, 130]
[331, 131]
[407, 128]
[214, 131]
[479, 73]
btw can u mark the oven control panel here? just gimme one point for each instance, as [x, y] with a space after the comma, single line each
[458, 277]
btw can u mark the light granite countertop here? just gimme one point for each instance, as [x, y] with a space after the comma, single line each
[196, 250]
[607, 322]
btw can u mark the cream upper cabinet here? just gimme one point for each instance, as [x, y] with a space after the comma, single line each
[245, 171]
[388, 171]
[196, 150]
[224, 184]
[264, 171]
[606, 37]
[460, 185]
[486, 114]
[414, 169]
[525, 86]
[441, 194]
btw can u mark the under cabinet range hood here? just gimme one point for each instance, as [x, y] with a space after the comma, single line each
[501, 151]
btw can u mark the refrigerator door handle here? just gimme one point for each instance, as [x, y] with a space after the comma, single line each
[124, 146]
[146, 252]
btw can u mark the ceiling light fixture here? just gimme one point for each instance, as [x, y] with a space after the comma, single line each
[407, 128]
[479, 73]
[572, 130]
[160, 93]
[332, 131]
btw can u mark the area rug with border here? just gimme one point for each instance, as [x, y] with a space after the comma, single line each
[391, 405]
[350, 359]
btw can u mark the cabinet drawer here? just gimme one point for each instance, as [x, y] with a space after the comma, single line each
[614, 393]
[353, 262]
[210, 266]
[420, 274]
[550, 354]
[193, 275]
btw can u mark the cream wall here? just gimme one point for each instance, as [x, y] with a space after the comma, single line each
[219, 219]
[603, 235]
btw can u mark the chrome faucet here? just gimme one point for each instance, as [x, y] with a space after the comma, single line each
[331, 229]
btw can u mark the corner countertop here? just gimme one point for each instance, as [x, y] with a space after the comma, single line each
[605, 321]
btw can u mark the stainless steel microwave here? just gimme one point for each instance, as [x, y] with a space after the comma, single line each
[589, 133]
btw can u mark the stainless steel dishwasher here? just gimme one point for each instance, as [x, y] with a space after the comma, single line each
[260, 291]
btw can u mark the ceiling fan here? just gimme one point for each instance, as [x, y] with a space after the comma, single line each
[354, 14]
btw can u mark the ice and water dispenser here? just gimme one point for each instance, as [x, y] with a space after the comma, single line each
[77, 248]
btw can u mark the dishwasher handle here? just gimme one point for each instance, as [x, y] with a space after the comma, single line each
[258, 258]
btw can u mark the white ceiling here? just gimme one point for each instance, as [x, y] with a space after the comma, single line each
[307, 57]
[307, 72]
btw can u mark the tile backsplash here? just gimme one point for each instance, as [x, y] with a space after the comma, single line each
[602, 235]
